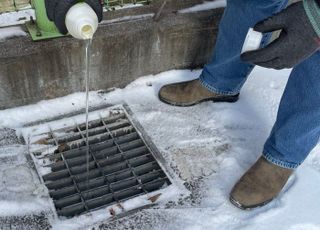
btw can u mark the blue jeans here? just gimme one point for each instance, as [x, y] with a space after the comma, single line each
[297, 128]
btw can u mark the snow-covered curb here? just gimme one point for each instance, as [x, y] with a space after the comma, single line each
[16, 17]
[10, 32]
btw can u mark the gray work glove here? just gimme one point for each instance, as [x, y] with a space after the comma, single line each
[57, 11]
[297, 41]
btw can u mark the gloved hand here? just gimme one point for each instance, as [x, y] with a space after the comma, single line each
[297, 41]
[57, 10]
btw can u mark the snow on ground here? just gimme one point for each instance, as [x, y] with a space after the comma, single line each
[127, 18]
[125, 6]
[9, 32]
[20, 190]
[16, 17]
[207, 5]
[209, 145]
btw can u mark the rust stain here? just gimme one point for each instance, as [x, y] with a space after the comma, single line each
[154, 198]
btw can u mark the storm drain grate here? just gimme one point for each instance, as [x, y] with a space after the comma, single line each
[121, 165]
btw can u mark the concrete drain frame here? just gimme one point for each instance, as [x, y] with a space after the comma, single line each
[124, 163]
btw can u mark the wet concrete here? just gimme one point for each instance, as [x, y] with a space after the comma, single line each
[122, 51]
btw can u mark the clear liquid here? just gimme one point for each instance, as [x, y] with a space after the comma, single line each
[87, 79]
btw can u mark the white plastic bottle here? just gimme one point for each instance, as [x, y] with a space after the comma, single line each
[81, 21]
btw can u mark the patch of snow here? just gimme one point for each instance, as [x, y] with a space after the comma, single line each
[19, 175]
[207, 5]
[16, 117]
[20, 188]
[20, 208]
[16, 17]
[127, 18]
[125, 6]
[10, 32]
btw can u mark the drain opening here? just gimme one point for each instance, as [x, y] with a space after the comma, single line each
[122, 165]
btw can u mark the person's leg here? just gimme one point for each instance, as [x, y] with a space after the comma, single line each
[226, 73]
[295, 133]
[223, 77]
[297, 128]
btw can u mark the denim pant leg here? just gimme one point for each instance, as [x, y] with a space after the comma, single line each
[226, 73]
[297, 128]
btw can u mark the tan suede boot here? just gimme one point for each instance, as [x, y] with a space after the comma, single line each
[190, 93]
[259, 185]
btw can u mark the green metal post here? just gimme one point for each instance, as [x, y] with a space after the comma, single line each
[42, 28]
[42, 20]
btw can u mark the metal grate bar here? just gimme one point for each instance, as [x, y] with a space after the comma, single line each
[92, 132]
[65, 182]
[96, 123]
[121, 165]
[96, 192]
[108, 198]
[97, 138]
[112, 157]
[105, 179]
[123, 156]
[97, 163]
[106, 167]
[71, 153]
[59, 193]
[77, 189]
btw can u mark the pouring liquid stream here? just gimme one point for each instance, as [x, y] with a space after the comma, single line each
[82, 22]
[87, 80]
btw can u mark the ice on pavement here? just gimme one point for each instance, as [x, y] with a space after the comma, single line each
[210, 144]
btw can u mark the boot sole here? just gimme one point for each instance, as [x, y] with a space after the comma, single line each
[229, 99]
[247, 207]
